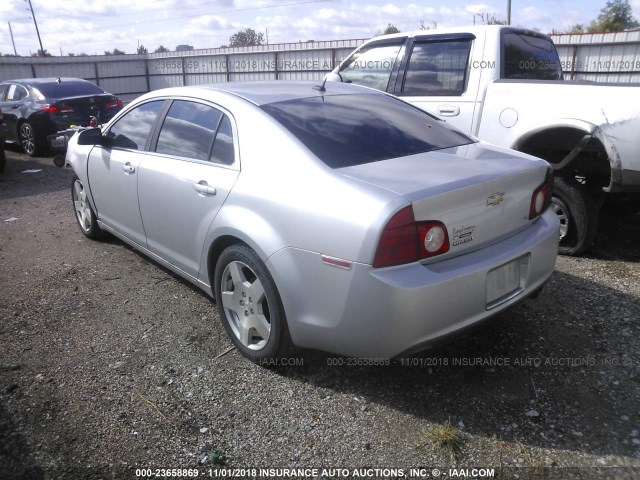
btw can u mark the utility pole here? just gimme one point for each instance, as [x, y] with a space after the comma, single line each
[15, 52]
[508, 12]
[33, 15]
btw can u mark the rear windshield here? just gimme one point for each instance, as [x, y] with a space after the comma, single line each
[68, 89]
[348, 130]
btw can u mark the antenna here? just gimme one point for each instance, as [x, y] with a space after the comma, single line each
[321, 88]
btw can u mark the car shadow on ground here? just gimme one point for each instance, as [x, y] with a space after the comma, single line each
[617, 238]
[558, 372]
[25, 175]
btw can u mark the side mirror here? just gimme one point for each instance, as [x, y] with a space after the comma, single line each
[91, 136]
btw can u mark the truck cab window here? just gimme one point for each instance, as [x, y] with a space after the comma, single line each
[529, 57]
[437, 68]
[372, 66]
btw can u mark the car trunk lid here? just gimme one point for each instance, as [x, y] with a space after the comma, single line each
[79, 110]
[481, 194]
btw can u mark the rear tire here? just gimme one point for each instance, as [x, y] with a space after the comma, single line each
[249, 305]
[578, 211]
[3, 159]
[30, 143]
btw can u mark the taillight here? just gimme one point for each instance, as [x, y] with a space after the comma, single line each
[56, 109]
[397, 243]
[403, 240]
[541, 198]
[114, 104]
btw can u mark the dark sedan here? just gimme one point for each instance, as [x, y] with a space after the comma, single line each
[3, 136]
[37, 107]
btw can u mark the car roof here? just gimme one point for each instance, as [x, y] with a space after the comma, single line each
[265, 92]
[42, 81]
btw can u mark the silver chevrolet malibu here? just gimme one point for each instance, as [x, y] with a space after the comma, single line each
[328, 217]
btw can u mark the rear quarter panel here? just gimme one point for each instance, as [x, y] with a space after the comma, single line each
[514, 108]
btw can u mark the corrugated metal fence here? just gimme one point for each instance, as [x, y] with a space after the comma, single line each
[600, 57]
[131, 75]
[605, 57]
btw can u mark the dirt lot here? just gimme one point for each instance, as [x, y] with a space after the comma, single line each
[109, 364]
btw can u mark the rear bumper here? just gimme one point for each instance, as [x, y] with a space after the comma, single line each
[383, 313]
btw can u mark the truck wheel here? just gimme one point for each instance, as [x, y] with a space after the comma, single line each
[578, 213]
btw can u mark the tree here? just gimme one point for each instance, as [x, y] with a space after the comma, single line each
[142, 49]
[41, 53]
[434, 25]
[391, 29]
[490, 19]
[161, 49]
[577, 28]
[615, 16]
[246, 38]
[115, 52]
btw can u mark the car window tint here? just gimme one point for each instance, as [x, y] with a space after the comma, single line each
[188, 130]
[133, 129]
[3, 91]
[372, 66]
[68, 88]
[437, 68]
[529, 57]
[347, 130]
[223, 151]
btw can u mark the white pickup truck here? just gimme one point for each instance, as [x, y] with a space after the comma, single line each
[504, 85]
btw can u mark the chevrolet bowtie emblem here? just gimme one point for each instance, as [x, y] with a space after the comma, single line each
[495, 199]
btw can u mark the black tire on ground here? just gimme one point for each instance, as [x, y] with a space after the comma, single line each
[250, 307]
[3, 159]
[578, 211]
[85, 215]
[30, 143]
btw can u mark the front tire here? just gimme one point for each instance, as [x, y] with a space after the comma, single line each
[249, 305]
[30, 144]
[578, 212]
[85, 216]
[3, 159]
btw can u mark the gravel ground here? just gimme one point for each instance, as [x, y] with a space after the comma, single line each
[109, 363]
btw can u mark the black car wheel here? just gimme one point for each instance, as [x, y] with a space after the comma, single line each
[3, 159]
[250, 306]
[28, 140]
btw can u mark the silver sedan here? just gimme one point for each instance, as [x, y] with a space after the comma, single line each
[328, 217]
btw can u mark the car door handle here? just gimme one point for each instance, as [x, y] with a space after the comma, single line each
[203, 188]
[128, 168]
[449, 111]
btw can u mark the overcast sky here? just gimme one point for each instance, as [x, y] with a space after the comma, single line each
[93, 26]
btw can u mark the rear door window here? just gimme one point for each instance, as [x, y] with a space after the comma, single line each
[437, 68]
[188, 130]
[529, 57]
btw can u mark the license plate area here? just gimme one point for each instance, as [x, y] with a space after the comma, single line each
[59, 143]
[507, 281]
